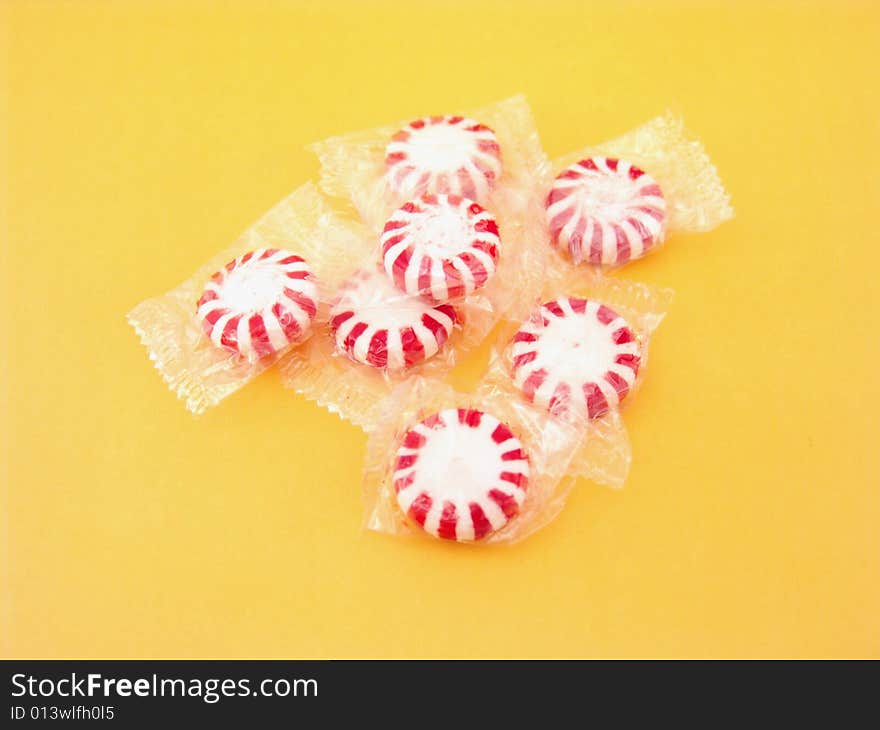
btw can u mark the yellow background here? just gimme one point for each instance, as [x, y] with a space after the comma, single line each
[139, 138]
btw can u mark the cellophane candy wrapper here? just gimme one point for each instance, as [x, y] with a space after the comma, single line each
[280, 270]
[508, 163]
[615, 202]
[578, 357]
[482, 467]
[367, 349]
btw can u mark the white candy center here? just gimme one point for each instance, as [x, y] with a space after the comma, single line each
[459, 463]
[577, 348]
[607, 195]
[442, 231]
[440, 147]
[253, 287]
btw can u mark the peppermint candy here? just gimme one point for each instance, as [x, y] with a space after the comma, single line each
[605, 211]
[576, 358]
[442, 247]
[460, 474]
[448, 154]
[375, 324]
[259, 304]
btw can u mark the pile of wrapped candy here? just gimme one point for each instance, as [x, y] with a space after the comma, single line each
[453, 229]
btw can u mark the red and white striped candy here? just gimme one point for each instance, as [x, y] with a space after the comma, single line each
[460, 474]
[441, 247]
[447, 154]
[259, 303]
[375, 324]
[605, 211]
[576, 358]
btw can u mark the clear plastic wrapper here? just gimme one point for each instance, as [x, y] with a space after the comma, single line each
[352, 364]
[617, 201]
[204, 351]
[482, 467]
[580, 356]
[355, 166]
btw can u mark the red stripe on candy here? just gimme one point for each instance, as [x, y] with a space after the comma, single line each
[454, 283]
[229, 338]
[623, 248]
[644, 233]
[352, 337]
[377, 354]
[482, 526]
[486, 225]
[434, 421]
[469, 417]
[533, 382]
[294, 259]
[400, 265]
[414, 440]
[524, 359]
[425, 274]
[287, 321]
[489, 248]
[516, 478]
[525, 337]
[393, 225]
[631, 361]
[478, 271]
[501, 434]
[403, 482]
[212, 317]
[405, 461]
[505, 502]
[305, 303]
[413, 349]
[420, 507]
[448, 522]
[605, 315]
[436, 328]
[576, 240]
[596, 244]
[618, 383]
[554, 308]
[339, 319]
[558, 404]
[596, 403]
[652, 211]
[391, 242]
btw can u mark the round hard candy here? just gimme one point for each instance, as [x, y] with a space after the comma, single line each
[374, 323]
[605, 211]
[442, 247]
[460, 474]
[259, 303]
[443, 154]
[575, 357]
